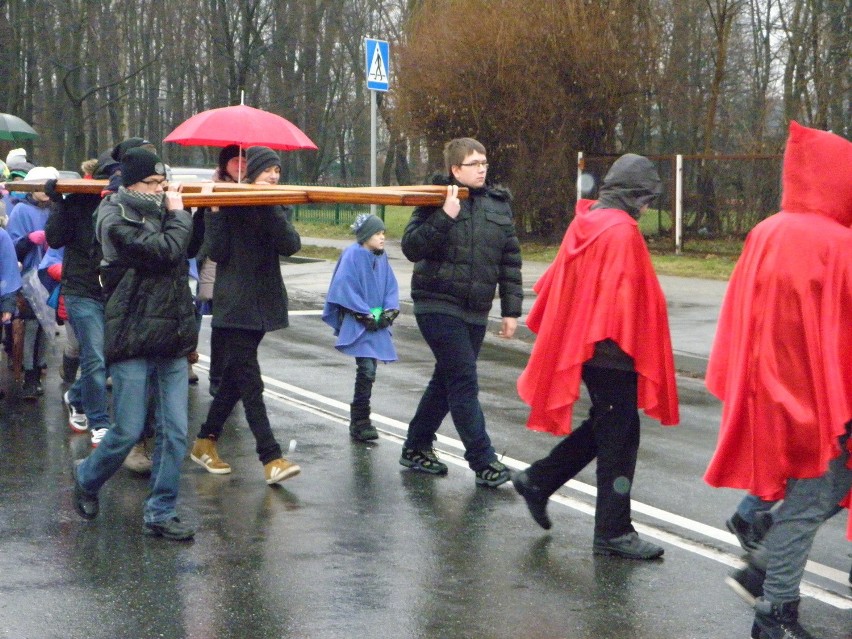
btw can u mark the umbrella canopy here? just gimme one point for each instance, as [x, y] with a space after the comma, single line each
[242, 125]
[15, 129]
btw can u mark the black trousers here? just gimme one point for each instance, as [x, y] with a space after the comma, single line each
[610, 434]
[237, 350]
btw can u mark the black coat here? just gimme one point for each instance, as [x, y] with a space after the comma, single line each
[71, 225]
[149, 310]
[462, 261]
[246, 243]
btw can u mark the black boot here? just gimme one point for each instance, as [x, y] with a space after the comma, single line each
[777, 621]
[360, 426]
[32, 384]
[70, 366]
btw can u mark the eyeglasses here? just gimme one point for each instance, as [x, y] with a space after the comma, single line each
[478, 164]
[154, 182]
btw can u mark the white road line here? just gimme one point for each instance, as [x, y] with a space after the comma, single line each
[449, 444]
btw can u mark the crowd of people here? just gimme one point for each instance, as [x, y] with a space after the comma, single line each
[124, 259]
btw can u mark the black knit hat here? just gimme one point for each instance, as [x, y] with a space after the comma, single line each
[366, 226]
[258, 159]
[124, 146]
[227, 154]
[138, 164]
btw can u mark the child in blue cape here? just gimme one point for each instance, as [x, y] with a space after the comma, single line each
[361, 305]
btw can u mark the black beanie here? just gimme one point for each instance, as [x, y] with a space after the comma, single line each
[258, 159]
[366, 226]
[227, 154]
[138, 164]
[124, 146]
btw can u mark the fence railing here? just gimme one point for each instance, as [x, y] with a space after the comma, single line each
[334, 214]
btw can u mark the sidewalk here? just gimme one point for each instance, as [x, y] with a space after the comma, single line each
[693, 303]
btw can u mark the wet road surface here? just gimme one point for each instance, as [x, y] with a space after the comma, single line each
[359, 546]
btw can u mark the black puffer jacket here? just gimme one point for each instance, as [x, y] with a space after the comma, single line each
[149, 310]
[246, 244]
[460, 262]
[71, 225]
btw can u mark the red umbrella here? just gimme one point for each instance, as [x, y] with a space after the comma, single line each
[241, 125]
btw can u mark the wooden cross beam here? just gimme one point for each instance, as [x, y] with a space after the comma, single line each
[231, 194]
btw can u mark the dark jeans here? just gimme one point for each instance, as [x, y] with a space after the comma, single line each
[237, 351]
[454, 388]
[365, 375]
[610, 433]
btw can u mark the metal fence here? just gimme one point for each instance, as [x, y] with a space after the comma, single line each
[721, 196]
[333, 214]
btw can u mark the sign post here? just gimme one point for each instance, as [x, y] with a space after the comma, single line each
[378, 79]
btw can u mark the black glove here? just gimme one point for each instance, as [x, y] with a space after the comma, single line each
[367, 320]
[387, 317]
[50, 191]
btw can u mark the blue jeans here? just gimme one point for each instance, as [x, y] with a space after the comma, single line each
[132, 380]
[453, 389]
[89, 391]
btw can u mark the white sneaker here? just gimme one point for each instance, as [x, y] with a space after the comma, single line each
[77, 419]
[98, 435]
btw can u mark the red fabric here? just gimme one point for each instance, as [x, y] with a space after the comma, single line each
[600, 286]
[54, 271]
[782, 358]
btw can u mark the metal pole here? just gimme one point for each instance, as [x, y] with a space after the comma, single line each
[580, 164]
[373, 145]
[678, 203]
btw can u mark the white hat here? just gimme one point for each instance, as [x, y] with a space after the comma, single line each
[16, 153]
[42, 173]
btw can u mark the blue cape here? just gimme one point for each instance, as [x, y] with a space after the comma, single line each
[10, 276]
[23, 220]
[361, 281]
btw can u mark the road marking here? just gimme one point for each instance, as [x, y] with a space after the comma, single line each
[307, 312]
[448, 445]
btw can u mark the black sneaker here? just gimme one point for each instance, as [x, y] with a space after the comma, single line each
[746, 533]
[493, 475]
[172, 528]
[747, 583]
[778, 621]
[535, 498]
[629, 546]
[85, 503]
[423, 460]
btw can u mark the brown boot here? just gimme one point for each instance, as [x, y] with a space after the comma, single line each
[204, 454]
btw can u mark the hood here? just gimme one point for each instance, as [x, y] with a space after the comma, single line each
[815, 178]
[631, 183]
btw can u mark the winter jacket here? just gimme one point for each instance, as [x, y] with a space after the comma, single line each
[246, 243]
[149, 310]
[460, 262]
[71, 224]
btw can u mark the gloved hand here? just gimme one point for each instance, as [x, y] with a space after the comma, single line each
[50, 191]
[368, 321]
[37, 237]
[388, 317]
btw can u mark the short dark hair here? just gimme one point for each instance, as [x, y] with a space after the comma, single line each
[455, 151]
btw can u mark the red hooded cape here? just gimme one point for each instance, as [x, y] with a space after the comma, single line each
[600, 286]
[782, 358]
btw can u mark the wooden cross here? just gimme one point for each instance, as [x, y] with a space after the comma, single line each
[231, 194]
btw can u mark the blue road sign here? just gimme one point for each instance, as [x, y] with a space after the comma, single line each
[378, 64]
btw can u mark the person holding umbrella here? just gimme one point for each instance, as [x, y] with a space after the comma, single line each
[249, 299]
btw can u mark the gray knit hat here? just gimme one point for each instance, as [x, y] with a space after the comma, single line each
[366, 226]
[258, 159]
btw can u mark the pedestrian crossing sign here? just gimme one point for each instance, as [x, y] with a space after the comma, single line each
[378, 64]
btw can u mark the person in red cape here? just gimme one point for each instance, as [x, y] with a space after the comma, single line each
[601, 315]
[780, 363]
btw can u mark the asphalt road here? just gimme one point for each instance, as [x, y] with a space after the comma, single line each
[359, 546]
